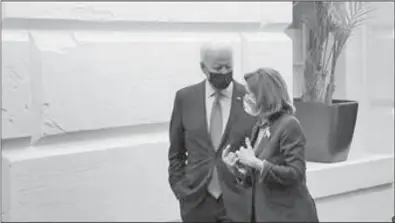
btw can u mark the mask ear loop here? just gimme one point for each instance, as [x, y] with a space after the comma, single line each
[247, 107]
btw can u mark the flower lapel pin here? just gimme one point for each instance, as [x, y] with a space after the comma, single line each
[266, 132]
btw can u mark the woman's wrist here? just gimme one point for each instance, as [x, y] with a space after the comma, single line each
[257, 164]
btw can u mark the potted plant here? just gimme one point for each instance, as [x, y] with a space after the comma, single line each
[328, 123]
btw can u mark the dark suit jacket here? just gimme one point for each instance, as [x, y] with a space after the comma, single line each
[280, 193]
[192, 157]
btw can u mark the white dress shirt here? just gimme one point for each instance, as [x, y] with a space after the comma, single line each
[226, 102]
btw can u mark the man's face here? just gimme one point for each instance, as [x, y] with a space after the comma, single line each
[217, 64]
[218, 61]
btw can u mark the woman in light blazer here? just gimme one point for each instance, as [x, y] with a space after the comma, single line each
[272, 162]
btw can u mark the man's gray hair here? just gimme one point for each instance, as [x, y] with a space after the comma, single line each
[214, 46]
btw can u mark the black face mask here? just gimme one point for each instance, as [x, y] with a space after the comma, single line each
[220, 81]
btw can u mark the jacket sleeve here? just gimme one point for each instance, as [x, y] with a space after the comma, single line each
[177, 153]
[292, 147]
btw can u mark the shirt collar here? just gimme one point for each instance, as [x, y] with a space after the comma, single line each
[227, 92]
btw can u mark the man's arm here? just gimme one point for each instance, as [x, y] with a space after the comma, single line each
[177, 152]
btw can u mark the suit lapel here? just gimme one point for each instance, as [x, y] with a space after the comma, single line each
[202, 114]
[254, 134]
[262, 148]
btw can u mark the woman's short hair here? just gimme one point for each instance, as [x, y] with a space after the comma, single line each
[270, 91]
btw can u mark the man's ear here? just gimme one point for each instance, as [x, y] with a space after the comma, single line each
[204, 68]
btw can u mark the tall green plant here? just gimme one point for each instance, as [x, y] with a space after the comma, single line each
[329, 26]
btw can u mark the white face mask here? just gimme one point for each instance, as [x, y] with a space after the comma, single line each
[249, 105]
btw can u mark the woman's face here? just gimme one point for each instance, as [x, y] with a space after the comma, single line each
[250, 103]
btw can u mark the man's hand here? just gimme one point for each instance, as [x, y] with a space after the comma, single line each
[229, 158]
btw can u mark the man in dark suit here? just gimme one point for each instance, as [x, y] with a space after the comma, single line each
[206, 117]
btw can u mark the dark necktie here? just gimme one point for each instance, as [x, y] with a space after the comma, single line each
[216, 136]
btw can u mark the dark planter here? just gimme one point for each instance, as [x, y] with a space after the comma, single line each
[329, 129]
